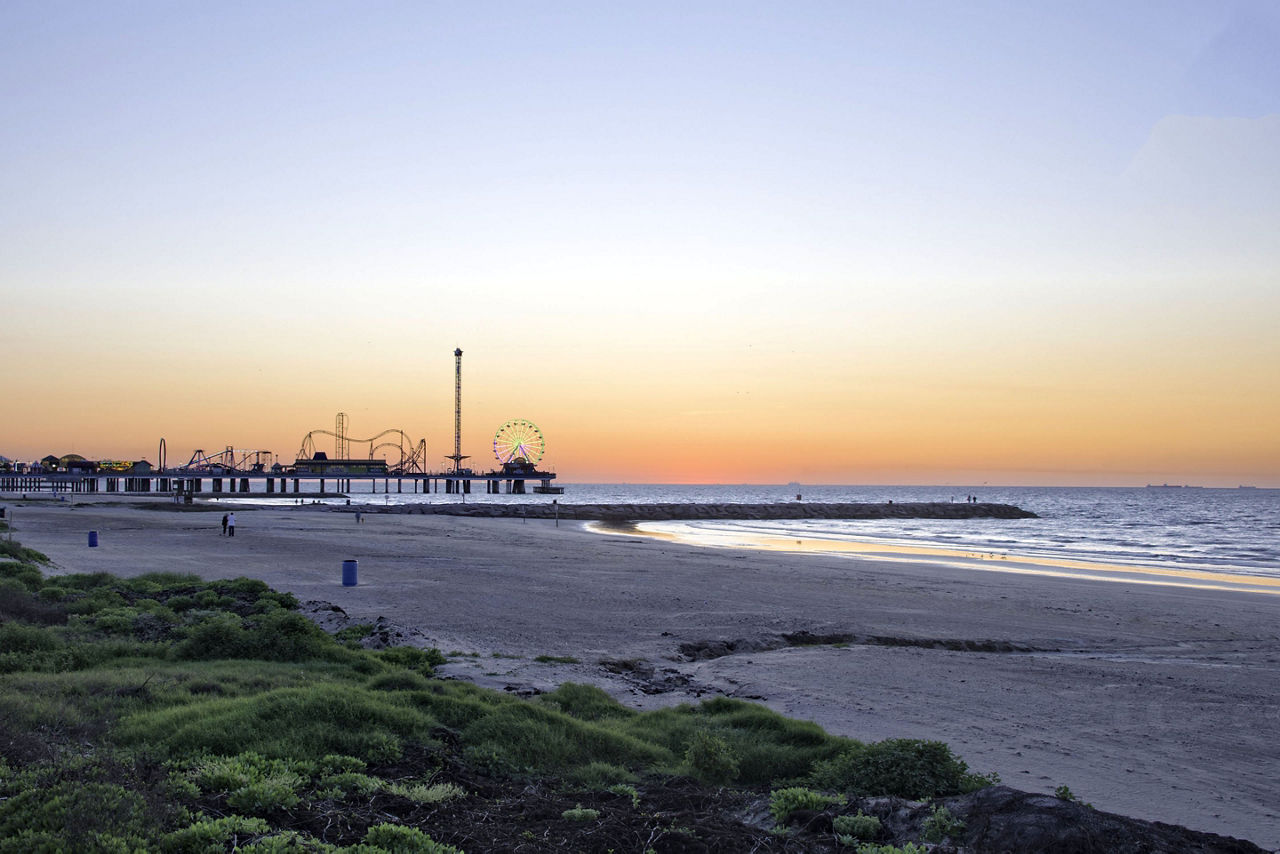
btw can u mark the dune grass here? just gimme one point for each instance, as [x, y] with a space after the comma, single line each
[127, 704]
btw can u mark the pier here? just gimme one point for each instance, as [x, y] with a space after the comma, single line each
[332, 484]
[518, 446]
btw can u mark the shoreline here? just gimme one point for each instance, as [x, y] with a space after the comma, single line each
[1155, 702]
[1009, 562]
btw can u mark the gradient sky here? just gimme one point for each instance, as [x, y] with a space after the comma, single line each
[840, 242]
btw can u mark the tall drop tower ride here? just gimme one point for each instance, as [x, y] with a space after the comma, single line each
[458, 456]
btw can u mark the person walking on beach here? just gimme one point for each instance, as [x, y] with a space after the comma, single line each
[231, 524]
[224, 524]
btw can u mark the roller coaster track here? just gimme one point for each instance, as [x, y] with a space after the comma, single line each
[412, 457]
[231, 460]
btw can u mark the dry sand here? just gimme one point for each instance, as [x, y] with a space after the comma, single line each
[1156, 702]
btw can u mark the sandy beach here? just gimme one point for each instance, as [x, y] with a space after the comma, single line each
[1153, 701]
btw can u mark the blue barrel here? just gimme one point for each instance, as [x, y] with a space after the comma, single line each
[93, 539]
[349, 572]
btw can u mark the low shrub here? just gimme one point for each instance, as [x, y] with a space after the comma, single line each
[95, 600]
[217, 635]
[288, 636]
[784, 802]
[351, 783]
[710, 758]
[627, 791]
[287, 601]
[941, 824]
[16, 552]
[580, 813]
[397, 839]
[115, 621]
[274, 636]
[585, 702]
[860, 826]
[267, 796]
[423, 660]
[248, 589]
[53, 593]
[161, 582]
[25, 574]
[423, 793]
[765, 763]
[336, 763]
[770, 748]
[213, 835]
[20, 604]
[210, 598]
[293, 842]
[73, 814]
[906, 768]
[228, 773]
[19, 638]
[352, 635]
[86, 581]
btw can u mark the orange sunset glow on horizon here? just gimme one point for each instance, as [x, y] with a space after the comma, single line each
[823, 244]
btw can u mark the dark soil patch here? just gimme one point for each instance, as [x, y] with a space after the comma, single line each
[645, 676]
[681, 816]
[709, 649]
[528, 815]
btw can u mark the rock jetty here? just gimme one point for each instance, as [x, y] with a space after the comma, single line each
[673, 512]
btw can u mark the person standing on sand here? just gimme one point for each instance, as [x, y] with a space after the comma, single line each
[231, 524]
[224, 524]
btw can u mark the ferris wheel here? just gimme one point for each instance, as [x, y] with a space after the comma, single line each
[519, 441]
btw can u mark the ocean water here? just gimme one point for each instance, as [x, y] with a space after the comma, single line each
[1234, 531]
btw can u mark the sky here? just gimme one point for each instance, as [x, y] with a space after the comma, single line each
[897, 242]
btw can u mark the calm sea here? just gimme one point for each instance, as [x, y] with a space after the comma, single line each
[1225, 530]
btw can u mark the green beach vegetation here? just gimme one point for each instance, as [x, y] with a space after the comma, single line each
[167, 713]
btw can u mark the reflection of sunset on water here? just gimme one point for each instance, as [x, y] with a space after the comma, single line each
[968, 559]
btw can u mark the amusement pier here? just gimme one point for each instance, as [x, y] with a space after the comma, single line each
[357, 466]
[331, 479]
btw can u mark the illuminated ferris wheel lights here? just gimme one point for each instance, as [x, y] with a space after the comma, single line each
[519, 441]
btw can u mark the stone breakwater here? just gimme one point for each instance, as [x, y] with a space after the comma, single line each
[674, 512]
